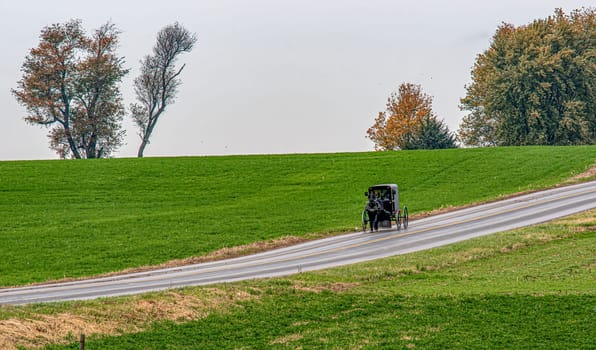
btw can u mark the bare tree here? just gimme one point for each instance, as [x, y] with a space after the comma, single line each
[158, 83]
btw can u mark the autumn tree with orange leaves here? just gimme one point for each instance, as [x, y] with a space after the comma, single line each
[70, 85]
[409, 123]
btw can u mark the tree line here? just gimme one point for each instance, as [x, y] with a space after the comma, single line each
[534, 85]
[71, 80]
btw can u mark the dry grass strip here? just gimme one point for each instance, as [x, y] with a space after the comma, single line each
[111, 317]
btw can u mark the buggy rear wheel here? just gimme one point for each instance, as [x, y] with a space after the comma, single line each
[364, 220]
[405, 218]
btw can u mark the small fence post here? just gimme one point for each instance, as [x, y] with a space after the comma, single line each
[82, 342]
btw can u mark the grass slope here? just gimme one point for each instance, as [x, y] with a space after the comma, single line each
[77, 218]
[531, 288]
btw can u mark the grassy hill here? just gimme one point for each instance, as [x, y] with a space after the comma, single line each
[531, 288]
[78, 218]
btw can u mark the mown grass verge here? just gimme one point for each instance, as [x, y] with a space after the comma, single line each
[67, 219]
[531, 288]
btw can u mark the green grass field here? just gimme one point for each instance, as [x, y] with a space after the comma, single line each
[531, 288]
[79, 218]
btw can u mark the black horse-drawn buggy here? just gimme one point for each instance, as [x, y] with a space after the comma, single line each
[382, 208]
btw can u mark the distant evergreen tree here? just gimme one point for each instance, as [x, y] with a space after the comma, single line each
[432, 134]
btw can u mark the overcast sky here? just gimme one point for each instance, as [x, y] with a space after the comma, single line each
[272, 76]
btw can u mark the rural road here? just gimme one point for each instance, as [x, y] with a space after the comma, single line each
[351, 248]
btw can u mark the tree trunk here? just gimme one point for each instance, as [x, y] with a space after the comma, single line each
[142, 148]
[149, 129]
[92, 146]
[71, 143]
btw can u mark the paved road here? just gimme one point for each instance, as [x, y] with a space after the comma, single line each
[335, 251]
